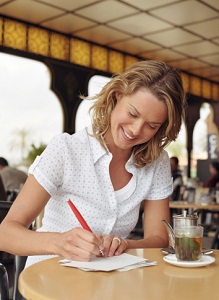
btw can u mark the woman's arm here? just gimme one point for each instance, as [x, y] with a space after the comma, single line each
[16, 238]
[155, 234]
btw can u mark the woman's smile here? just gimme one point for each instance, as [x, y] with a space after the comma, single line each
[128, 136]
[135, 119]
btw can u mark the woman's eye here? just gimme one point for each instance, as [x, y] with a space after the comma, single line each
[151, 127]
[132, 115]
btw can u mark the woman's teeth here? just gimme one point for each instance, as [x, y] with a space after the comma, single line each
[128, 136]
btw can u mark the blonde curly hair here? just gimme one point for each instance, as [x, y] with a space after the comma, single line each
[165, 83]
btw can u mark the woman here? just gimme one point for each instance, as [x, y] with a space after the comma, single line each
[106, 170]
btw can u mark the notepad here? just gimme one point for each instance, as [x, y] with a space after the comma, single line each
[123, 262]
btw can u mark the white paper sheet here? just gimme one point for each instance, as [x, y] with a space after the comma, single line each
[123, 262]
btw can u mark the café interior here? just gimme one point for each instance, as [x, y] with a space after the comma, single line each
[80, 39]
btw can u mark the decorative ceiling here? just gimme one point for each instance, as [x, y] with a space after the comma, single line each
[183, 33]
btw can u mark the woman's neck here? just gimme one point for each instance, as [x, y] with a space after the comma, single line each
[117, 153]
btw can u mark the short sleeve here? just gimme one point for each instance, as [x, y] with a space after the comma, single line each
[162, 185]
[48, 168]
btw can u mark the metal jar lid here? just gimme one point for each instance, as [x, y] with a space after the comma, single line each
[184, 215]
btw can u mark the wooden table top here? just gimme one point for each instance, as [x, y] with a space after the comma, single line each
[195, 205]
[47, 280]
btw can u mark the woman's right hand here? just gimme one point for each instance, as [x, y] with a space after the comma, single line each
[78, 244]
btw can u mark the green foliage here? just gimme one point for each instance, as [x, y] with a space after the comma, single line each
[33, 152]
[177, 149]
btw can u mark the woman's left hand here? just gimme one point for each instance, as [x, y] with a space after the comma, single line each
[114, 245]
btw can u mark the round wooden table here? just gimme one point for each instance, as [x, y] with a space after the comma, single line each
[48, 280]
[195, 205]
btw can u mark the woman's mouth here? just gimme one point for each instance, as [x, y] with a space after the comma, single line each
[127, 135]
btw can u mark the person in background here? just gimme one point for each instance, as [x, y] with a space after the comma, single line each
[12, 178]
[3, 195]
[214, 175]
[106, 170]
[211, 220]
[177, 177]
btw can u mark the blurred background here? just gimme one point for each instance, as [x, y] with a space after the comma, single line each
[51, 51]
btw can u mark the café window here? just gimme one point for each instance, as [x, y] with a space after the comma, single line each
[30, 112]
[94, 86]
[205, 143]
[178, 149]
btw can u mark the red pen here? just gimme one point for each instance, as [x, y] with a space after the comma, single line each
[81, 219]
[79, 216]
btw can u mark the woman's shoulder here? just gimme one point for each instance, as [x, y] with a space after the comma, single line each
[162, 161]
[163, 158]
[66, 137]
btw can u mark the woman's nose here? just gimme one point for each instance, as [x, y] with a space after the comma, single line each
[136, 127]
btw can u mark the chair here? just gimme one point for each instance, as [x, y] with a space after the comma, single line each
[19, 264]
[5, 258]
[11, 195]
[3, 195]
[215, 241]
[4, 284]
[4, 208]
[138, 231]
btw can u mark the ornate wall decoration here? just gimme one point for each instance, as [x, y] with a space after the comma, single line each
[32, 39]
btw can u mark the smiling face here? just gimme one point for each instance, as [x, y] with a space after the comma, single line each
[135, 119]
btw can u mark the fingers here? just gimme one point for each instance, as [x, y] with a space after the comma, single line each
[90, 242]
[117, 239]
[101, 248]
[114, 245]
[82, 245]
[79, 244]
